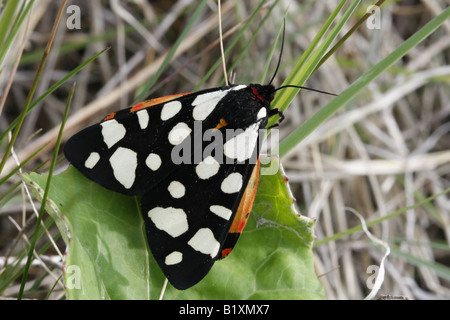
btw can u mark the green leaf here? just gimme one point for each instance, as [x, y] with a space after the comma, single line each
[108, 256]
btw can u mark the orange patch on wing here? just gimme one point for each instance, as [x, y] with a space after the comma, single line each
[225, 252]
[152, 102]
[110, 116]
[246, 204]
[222, 123]
[242, 214]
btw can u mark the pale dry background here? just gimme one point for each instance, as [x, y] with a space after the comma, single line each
[386, 150]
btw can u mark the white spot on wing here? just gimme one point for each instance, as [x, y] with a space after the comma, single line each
[241, 147]
[221, 211]
[207, 168]
[204, 242]
[205, 103]
[92, 160]
[170, 109]
[153, 161]
[124, 164]
[179, 133]
[239, 87]
[171, 220]
[143, 118]
[176, 189]
[173, 258]
[112, 132]
[262, 113]
[232, 183]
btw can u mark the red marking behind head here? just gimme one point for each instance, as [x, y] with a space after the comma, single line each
[256, 93]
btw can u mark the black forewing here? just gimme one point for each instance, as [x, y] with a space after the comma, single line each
[152, 139]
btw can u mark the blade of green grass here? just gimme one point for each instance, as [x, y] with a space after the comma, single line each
[33, 87]
[78, 44]
[51, 90]
[23, 163]
[347, 35]
[379, 220]
[34, 238]
[272, 51]
[311, 58]
[13, 271]
[143, 92]
[440, 269]
[52, 288]
[7, 34]
[5, 22]
[323, 114]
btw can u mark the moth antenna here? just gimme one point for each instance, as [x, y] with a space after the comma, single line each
[278, 65]
[306, 88]
[281, 53]
[221, 43]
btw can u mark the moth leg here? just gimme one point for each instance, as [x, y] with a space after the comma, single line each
[273, 112]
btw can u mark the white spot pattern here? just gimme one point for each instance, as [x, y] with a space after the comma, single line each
[173, 258]
[232, 183]
[178, 133]
[143, 118]
[207, 168]
[112, 132]
[204, 242]
[241, 147]
[153, 161]
[239, 87]
[171, 220]
[221, 211]
[176, 189]
[124, 163]
[170, 109]
[262, 113]
[205, 103]
[92, 160]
